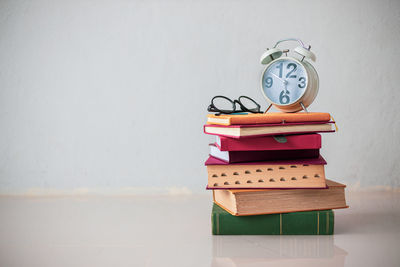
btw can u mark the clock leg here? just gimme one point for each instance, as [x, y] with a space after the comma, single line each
[301, 104]
[270, 105]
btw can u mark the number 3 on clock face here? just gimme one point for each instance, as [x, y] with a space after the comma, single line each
[284, 81]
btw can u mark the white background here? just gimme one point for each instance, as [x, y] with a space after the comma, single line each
[111, 96]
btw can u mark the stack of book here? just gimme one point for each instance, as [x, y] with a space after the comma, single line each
[267, 174]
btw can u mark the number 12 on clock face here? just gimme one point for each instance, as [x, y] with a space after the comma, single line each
[284, 81]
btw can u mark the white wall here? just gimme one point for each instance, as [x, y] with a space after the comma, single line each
[113, 94]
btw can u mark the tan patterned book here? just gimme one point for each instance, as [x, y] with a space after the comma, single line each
[300, 173]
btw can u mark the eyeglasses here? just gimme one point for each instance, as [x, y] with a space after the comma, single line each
[224, 105]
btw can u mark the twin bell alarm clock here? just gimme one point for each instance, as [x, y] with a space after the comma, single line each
[289, 83]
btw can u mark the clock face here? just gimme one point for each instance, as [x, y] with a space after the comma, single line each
[284, 81]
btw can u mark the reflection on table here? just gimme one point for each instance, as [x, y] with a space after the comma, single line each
[274, 250]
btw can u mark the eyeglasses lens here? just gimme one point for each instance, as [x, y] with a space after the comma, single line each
[249, 103]
[223, 104]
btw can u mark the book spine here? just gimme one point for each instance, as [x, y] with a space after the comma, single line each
[296, 223]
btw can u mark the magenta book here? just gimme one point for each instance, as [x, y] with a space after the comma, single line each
[293, 142]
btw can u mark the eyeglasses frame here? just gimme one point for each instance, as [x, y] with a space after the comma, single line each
[213, 108]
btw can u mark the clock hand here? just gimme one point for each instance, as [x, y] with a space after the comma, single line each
[286, 90]
[284, 81]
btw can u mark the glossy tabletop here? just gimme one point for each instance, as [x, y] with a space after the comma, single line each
[176, 231]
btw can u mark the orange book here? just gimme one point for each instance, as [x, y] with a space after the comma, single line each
[259, 118]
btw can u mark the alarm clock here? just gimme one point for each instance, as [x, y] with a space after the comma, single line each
[288, 83]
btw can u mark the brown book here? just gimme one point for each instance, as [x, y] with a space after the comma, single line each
[299, 173]
[270, 201]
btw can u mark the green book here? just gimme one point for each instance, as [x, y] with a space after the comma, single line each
[295, 223]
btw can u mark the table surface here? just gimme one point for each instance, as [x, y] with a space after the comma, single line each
[176, 231]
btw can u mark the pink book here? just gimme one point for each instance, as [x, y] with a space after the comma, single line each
[257, 130]
[293, 142]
